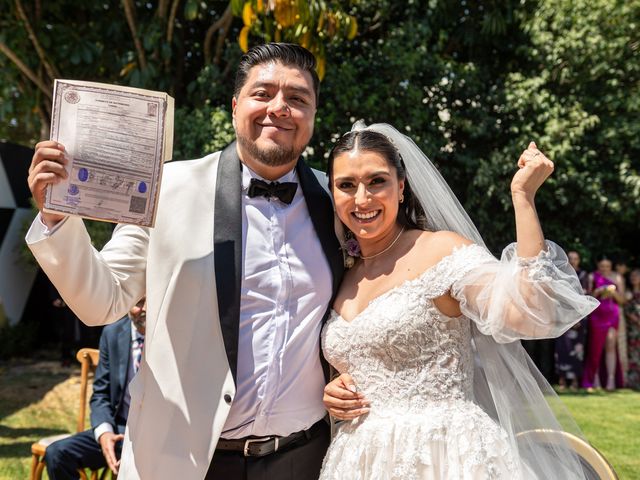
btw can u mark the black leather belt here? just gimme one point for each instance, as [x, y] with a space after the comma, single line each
[261, 446]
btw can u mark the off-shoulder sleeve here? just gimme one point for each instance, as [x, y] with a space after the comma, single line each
[518, 298]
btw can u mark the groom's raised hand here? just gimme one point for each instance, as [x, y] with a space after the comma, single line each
[48, 167]
[342, 399]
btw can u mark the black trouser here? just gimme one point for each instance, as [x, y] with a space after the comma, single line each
[299, 461]
[64, 457]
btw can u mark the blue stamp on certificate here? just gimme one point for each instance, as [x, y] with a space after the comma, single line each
[73, 189]
[72, 200]
[83, 174]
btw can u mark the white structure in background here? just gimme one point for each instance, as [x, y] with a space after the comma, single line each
[16, 279]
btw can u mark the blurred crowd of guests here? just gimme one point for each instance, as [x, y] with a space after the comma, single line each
[603, 350]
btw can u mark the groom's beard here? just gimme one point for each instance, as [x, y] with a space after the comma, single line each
[275, 156]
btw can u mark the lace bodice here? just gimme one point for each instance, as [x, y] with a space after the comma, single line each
[417, 366]
[401, 351]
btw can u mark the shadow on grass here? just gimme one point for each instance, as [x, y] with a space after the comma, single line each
[599, 394]
[587, 394]
[26, 382]
[8, 432]
[15, 450]
[19, 449]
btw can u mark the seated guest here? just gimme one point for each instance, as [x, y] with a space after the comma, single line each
[120, 355]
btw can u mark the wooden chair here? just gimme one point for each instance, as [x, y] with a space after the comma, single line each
[594, 465]
[88, 358]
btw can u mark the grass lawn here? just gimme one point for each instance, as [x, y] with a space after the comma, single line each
[39, 398]
[611, 422]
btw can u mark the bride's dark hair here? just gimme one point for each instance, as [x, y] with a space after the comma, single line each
[410, 214]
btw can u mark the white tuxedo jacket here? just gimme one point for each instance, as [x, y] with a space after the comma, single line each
[191, 265]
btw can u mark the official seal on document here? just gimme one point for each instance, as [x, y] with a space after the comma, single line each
[72, 96]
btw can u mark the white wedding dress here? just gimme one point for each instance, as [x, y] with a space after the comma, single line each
[416, 367]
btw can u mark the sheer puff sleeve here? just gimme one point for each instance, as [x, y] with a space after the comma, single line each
[518, 298]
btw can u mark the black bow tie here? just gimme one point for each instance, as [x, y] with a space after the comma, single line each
[284, 191]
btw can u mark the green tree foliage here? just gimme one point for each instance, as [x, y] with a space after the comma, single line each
[436, 70]
[471, 81]
[164, 45]
[474, 82]
[576, 92]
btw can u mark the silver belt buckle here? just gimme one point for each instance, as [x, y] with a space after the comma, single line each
[249, 441]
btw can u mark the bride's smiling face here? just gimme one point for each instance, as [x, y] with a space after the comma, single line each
[367, 193]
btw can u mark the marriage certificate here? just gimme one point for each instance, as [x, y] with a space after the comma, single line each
[116, 139]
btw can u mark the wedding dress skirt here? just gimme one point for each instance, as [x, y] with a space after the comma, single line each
[416, 366]
[447, 440]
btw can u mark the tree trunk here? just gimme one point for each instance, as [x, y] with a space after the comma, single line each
[219, 24]
[52, 71]
[26, 71]
[129, 11]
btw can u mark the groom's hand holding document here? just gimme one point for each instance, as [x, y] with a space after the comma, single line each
[104, 160]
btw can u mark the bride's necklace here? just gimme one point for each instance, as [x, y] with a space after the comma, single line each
[395, 240]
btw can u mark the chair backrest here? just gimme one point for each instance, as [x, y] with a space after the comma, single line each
[594, 465]
[88, 358]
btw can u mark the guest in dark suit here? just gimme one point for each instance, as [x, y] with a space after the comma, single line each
[120, 353]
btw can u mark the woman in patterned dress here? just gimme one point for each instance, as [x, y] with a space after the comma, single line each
[570, 346]
[632, 310]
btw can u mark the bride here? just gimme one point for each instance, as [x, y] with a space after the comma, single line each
[434, 384]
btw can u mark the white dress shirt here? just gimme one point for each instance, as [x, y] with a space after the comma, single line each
[285, 291]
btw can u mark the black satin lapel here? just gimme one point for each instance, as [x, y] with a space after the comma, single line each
[227, 250]
[321, 211]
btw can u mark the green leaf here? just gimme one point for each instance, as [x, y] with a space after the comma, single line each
[135, 78]
[236, 7]
[148, 41]
[87, 55]
[191, 9]
[166, 51]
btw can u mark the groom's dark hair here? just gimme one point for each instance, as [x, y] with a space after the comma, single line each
[288, 54]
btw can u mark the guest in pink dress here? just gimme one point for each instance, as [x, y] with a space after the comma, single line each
[606, 285]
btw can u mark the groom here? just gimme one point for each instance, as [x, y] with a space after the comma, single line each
[239, 273]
